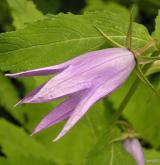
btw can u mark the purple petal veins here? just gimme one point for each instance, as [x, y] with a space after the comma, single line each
[134, 147]
[84, 79]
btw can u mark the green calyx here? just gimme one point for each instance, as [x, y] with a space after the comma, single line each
[140, 59]
[128, 131]
[146, 60]
[125, 136]
[137, 54]
[144, 79]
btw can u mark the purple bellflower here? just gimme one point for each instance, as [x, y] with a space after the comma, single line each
[84, 80]
[134, 147]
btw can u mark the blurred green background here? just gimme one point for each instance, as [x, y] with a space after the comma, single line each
[17, 147]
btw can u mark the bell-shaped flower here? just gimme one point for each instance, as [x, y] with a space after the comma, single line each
[82, 80]
[134, 147]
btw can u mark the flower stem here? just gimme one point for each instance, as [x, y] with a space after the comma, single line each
[126, 100]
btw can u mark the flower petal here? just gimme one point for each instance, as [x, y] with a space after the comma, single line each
[58, 87]
[40, 72]
[83, 74]
[29, 96]
[85, 58]
[61, 112]
[94, 95]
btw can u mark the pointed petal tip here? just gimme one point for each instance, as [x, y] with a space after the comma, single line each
[10, 75]
[56, 139]
[37, 130]
[23, 101]
[34, 132]
[59, 136]
[16, 104]
[7, 75]
[19, 103]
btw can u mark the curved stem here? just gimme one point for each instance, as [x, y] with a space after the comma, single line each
[126, 100]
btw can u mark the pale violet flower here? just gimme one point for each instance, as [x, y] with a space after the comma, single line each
[84, 80]
[134, 147]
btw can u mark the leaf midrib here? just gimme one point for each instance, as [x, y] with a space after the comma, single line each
[65, 41]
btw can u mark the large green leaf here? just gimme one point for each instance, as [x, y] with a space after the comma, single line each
[62, 37]
[23, 11]
[18, 146]
[24, 160]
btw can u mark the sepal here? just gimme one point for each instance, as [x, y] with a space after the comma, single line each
[147, 60]
[143, 78]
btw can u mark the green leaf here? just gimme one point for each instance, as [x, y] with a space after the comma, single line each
[23, 12]
[18, 146]
[62, 37]
[23, 160]
[108, 152]
[9, 97]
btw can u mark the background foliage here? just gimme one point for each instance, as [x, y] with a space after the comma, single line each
[36, 34]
